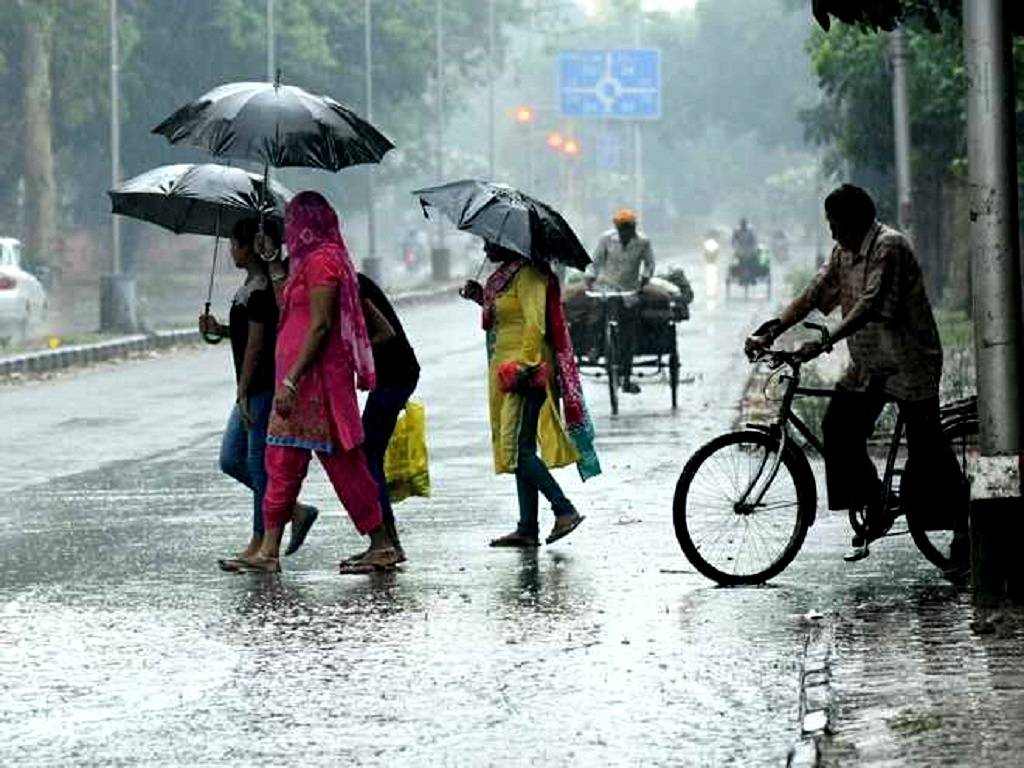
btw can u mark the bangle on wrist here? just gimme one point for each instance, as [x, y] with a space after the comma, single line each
[288, 384]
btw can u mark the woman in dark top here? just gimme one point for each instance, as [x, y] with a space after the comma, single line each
[397, 372]
[252, 328]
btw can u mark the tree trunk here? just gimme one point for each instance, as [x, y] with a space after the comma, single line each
[40, 184]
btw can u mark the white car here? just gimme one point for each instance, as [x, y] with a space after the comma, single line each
[22, 298]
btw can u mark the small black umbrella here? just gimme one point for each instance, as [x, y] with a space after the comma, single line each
[206, 199]
[509, 218]
[277, 125]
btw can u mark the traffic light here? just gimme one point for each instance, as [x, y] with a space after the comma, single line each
[571, 148]
[556, 140]
[524, 114]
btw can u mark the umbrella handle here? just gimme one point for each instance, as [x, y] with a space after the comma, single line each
[208, 336]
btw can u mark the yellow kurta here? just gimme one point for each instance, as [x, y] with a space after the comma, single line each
[519, 334]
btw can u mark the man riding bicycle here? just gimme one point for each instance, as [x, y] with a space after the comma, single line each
[895, 355]
[624, 261]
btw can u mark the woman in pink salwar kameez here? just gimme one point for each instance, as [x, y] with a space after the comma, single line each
[323, 353]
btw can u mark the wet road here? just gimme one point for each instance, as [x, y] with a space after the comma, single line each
[121, 643]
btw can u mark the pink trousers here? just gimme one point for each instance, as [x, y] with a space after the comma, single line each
[347, 471]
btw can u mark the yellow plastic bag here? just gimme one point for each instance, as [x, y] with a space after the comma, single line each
[406, 464]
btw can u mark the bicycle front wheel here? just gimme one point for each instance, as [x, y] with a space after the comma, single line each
[736, 522]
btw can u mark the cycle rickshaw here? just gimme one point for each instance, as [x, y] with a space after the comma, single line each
[597, 337]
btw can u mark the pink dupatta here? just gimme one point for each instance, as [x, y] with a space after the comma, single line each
[312, 225]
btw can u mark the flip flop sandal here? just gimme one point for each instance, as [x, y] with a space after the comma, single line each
[229, 564]
[300, 531]
[374, 560]
[260, 565]
[563, 530]
[351, 559]
[514, 541]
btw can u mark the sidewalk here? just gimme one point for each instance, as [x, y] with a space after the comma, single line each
[903, 678]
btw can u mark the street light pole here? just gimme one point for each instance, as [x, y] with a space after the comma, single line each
[115, 135]
[271, 50]
[901, 128]
[440, 263]
[490, 91]
[371, 264]
[996, 518]
[638, 143]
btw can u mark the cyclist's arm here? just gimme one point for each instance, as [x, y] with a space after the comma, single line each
[647, 262]
[597, 263]
[822, 294]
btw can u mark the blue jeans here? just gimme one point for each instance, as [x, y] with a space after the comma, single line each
[532, 475]
[241, 452]
[383, 406]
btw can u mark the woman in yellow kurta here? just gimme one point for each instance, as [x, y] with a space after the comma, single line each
[531, 367]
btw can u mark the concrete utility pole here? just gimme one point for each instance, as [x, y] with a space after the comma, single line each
[372, 266]
[271, 49]
[440, 261]
[997, 517]
[117, 292]
[901, 128]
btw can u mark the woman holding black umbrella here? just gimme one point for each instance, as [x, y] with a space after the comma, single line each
[531, 366]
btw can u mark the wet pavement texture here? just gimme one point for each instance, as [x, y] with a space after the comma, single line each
[121, 642]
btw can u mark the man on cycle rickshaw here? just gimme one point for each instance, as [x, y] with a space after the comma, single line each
[624, 261]
[874, 277]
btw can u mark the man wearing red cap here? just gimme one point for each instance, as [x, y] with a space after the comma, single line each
[624, 261]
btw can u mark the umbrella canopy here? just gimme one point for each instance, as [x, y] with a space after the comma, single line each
[205, 199]
[509, 218]
[278, 125]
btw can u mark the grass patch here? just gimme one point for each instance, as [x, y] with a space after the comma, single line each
[912, 724]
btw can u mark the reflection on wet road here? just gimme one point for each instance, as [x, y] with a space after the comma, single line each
[120, 642]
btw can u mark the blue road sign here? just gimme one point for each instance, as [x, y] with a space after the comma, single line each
[620, 83]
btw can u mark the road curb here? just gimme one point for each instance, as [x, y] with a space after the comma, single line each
[816, 693]
[76, 355]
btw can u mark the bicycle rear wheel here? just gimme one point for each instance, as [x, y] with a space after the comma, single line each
[727, 538]
[611, 358]
[934, 540]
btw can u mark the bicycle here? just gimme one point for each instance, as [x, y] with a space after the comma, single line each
[745, 500]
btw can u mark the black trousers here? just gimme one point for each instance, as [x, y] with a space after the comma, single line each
[932, 470]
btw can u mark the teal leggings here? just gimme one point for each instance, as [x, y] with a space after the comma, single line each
[532, 475]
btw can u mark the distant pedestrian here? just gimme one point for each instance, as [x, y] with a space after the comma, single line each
[323, 353]
[252, 328]
[531, 365]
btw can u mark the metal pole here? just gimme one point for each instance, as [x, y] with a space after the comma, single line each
[995, 519]
[115, 135]
[995, 268]
[439, 41]
[490, 90]
[901, 127]
[371, 265]
[638, 145]
[271, 52]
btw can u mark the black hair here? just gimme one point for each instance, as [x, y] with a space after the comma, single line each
[245, 230]
[850, 203]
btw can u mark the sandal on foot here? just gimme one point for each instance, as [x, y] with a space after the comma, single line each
[229, 564]
[302, 520]
[383, 559]
[258, 564]
[354, 558]
[515, 540]
[564, 525]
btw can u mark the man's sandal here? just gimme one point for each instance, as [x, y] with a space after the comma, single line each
[383, 559]
[257, 564]
[564, 525]
[515, 540]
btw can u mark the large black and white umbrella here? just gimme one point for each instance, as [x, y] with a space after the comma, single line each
[509, 218]
[205, 199]
[276, 125]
